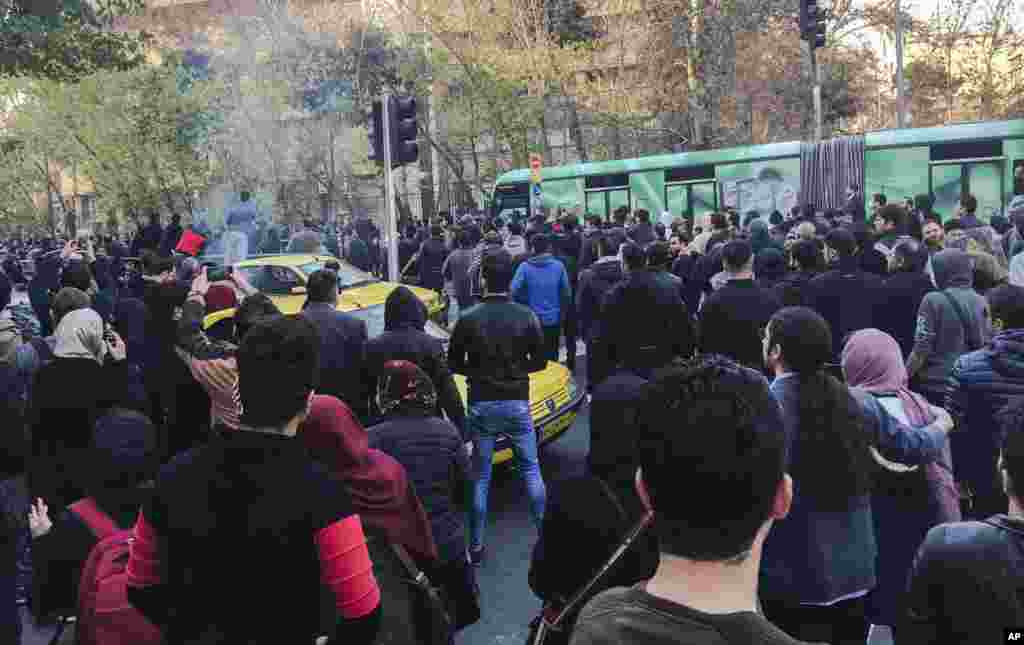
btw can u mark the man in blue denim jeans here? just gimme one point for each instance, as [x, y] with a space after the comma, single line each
[497, 344]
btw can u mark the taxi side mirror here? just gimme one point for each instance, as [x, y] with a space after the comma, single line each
[298, 291]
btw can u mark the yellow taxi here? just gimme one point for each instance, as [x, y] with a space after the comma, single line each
[555, 397]
[283, 278]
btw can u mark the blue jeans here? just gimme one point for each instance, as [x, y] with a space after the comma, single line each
[486, 421]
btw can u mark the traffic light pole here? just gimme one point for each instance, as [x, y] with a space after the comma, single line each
[391, 218]
[816, 70]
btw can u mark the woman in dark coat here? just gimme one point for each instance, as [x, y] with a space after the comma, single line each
[87, 377]
[584, 522]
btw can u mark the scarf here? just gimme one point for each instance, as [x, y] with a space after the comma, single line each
[873, 362]
[377, 484]
[80, 335]
[404, 385]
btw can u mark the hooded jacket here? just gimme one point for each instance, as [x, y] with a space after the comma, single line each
[983, 383]
[542, 284]
[432, 256]
[940, 337]
[896, 310]
[845, 297]
[404, 338]
[342, 337]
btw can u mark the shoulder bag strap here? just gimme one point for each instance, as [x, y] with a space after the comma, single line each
[583, 595]
[972, 343]
[98, 522]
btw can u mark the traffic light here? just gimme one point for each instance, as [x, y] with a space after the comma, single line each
[403, 130]
[376, 133]
[813, 24]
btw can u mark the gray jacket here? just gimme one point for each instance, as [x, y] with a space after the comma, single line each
[941, 337]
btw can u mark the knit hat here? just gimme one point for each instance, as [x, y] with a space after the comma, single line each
[124, 448]
[220, 297]
[404, 383]
[67, 300]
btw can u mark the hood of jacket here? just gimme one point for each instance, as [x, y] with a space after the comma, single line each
[953, 268]
[403, 310]
[610, 270]
[542, 260]
[1008, 353]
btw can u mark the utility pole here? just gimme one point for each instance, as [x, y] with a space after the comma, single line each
[900, 90]
[816, 70]
[391, 219]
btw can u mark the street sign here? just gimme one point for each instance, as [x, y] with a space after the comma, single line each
[536, 162]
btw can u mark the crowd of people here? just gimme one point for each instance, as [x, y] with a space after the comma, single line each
[822, 416]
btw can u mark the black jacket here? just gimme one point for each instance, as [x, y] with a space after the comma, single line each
[965, 584]
[897, 306]
[790, 290]
[615, 406]
[405, 317]
[435, 458]
[642, 233]
[733, 319]
[497, 344]
[645, 321]
[846, 298]
[587, 256]
[342, 371]
[432, 255]
[594, 283]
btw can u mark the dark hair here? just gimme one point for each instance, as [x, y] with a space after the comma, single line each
[1011, 423]
[605, 246]
[1006, 303]
[515, 228]
[658, 254]
[841, 241]
[913, 254]
[719, 221]
[734, 220]
[879, 199]
[497, 270]
[245, 195]
[277, 370]
[894, 214]
[742, 460]
[953, 224]
[540, 243]
[254, 309]
[621, 213]
[969, 202]
[436, 230]
[806, 254]
[76, 274]
[643, 215]
[775, 218]
[834, 463]
[633, 256]
[322, 286]
[736, 255]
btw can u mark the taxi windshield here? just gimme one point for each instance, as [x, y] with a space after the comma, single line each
[348, 276]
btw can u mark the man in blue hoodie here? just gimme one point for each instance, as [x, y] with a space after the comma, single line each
[542, 284]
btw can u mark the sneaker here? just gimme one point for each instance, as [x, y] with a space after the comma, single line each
[476, 556]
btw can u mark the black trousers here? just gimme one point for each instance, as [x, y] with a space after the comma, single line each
[552, 337]
[844, 623]
[569, 327]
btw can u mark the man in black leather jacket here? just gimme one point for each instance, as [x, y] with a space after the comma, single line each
[497, 344]
[965, 584]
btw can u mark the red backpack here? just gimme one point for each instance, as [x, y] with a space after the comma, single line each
[105, 617]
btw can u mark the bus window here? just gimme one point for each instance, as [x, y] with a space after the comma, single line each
[597, 204]
[511, 197]
[983, 179]
[676, 200]
[985, 182]
[617, 198]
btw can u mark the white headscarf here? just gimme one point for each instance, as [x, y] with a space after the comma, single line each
[80, 335]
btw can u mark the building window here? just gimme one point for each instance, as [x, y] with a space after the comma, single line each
[88, 207]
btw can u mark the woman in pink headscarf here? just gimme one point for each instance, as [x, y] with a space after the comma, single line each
[907, 500]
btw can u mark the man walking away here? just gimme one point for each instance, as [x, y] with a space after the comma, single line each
[542, 284]
[705, 588]
[642, 233]
[456, 270]
[431, 259]
[342, 337]
[733, 318]
[497, 345]
[965, 584]
[902, 293]
[567, 248]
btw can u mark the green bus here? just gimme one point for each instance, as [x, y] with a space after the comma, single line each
[944, 162]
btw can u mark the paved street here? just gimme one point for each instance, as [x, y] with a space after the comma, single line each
[508, 604]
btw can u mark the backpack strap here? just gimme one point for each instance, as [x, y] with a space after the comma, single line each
[98, 522]
[972, 344]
